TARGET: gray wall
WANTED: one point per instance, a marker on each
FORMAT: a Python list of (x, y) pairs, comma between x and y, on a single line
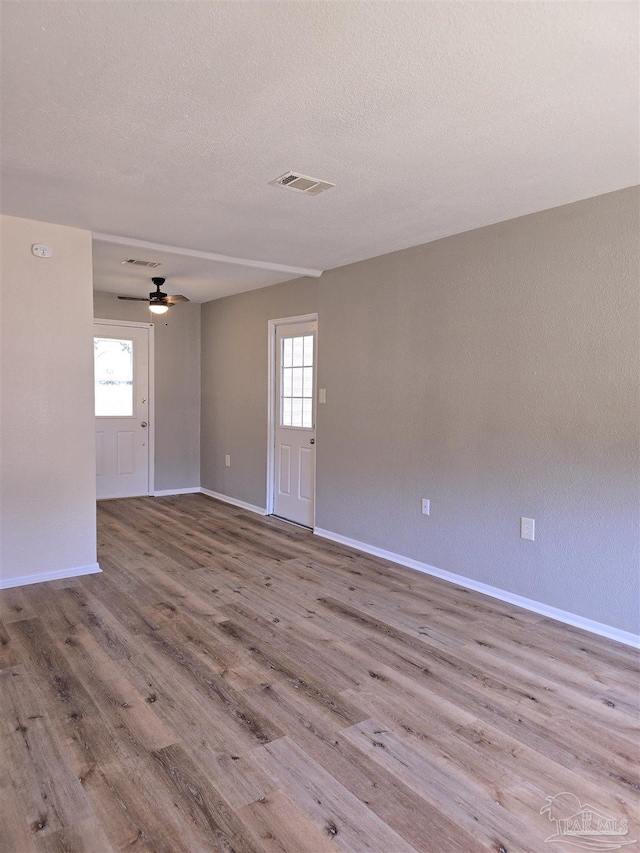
[(47, 452), (177, 381), (234, 385), (494, 372)]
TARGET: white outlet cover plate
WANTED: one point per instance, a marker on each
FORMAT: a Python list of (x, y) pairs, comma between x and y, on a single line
[(528, 528)]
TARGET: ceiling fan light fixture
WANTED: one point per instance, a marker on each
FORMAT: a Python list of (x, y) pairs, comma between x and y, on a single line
[(159, 302)]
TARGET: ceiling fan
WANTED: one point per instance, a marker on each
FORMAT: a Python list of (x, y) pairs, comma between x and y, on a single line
[(159, 302)]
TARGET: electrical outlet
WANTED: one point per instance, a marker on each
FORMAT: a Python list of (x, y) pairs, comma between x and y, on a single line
[(528, 528), (426, 506), (227, 461)]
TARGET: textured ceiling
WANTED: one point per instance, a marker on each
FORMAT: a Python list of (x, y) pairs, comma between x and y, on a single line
[(166, 121)]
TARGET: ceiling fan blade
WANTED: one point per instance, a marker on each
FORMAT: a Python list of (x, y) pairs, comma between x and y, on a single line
[(133, 298), (177, 299)]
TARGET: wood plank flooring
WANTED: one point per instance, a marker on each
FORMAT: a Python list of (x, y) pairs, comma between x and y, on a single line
[(233, 683)]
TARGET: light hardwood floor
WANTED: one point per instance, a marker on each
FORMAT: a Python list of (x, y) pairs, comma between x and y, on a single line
[(233, 683)]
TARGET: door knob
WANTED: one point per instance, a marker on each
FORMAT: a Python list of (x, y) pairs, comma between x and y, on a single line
[(143, 424), (312, 441)]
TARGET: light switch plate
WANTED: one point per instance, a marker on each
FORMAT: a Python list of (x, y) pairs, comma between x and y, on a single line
[(322, 395), (426, 506), (227, 461)]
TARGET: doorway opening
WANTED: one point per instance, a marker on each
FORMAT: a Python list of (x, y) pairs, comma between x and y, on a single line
[(291, 474)]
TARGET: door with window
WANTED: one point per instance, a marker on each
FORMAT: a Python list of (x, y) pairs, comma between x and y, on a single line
[(121, 382), (295, 433)]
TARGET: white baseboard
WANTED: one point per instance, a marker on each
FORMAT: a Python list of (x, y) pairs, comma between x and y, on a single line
[(493, 591), (234, 501), (163, 493), (58, 575)]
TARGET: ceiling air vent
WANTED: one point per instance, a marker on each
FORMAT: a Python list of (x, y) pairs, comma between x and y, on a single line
[(134, 263), (301, 183)]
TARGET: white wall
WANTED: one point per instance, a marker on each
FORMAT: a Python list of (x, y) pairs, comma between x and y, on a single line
[(47, 457)]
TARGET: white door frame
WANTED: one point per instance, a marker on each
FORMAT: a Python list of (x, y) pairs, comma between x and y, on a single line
[(271, 405), (152, 390)]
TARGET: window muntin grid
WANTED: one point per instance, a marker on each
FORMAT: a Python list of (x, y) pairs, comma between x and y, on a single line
[(296, 382)]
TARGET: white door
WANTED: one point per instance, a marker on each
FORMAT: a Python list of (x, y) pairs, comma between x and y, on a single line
[(121, 374), (295, 434)]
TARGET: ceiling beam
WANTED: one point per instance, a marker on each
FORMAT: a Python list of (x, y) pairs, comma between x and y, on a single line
[(207, 256)]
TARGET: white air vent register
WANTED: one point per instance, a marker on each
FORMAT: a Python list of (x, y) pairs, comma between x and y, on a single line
[(301, 183), (133, 262)]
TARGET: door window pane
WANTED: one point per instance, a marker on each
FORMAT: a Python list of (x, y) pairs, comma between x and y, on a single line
[(308, 349), (307, 387), (298, 351), (307, 414), (296, 382), (113, 375), (287, 349)]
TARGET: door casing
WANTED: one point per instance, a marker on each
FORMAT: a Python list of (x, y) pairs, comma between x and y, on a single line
[(271, 406)]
